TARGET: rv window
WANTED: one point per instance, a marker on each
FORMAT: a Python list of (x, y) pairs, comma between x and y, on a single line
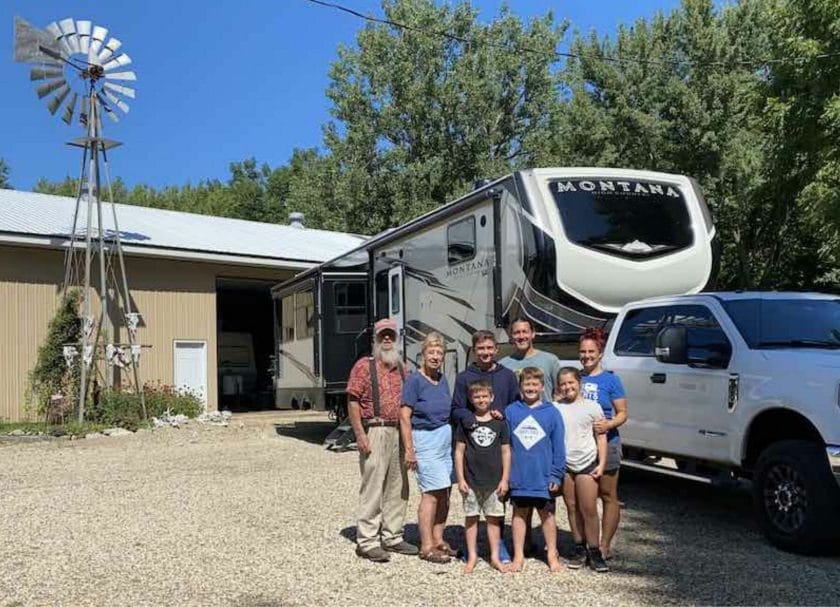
[(633, 219), (304, 313), (395, 294), (460, 240), (350, 307), (287, 319)]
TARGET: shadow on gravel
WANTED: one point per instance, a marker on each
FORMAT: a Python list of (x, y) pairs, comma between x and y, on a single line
[(701, 544), (454, 534), (312, 432)]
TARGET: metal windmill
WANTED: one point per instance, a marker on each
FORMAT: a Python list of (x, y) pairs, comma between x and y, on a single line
[(76, 61)]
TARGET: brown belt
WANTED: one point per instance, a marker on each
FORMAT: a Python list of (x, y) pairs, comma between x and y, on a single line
[(379, 423)]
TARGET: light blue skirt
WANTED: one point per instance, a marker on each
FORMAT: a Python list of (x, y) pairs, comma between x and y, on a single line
[(433, 449)]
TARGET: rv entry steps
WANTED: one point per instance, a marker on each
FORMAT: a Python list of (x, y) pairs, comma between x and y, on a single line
[(342, 438)]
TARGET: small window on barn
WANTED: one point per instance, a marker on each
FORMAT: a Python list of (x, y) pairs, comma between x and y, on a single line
[(304, 314), (460, 241)]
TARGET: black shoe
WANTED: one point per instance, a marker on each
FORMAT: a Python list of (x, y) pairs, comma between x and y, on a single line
[(578, 557), (403, 548), (595, 561), (375, 554)]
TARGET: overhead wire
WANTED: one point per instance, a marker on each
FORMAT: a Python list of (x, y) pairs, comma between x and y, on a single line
[(566, 54)]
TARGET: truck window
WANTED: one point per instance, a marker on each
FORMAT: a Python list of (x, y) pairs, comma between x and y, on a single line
[(707, 342), (460, 241), (350, 307), (637, 336)]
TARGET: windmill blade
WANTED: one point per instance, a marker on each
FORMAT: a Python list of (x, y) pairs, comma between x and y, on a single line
[(67, 116), (109, 49), (59, 42), (122, 90), (121, 76), (68, 28), (110, 112), (119, 61), (56, 101), (118, 102), (30, 42), (49, 87), (83, 30), (96, 39), (40, 73)]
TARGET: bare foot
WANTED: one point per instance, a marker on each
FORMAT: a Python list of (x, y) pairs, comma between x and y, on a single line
[(500, 566), (605, 552), (517, 565), (470, 566), (554, 563)]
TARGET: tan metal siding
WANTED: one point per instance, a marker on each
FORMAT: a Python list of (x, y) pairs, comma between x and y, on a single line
[(176, 299)]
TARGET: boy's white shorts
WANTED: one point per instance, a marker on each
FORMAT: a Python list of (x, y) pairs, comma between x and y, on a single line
[(483, 502)]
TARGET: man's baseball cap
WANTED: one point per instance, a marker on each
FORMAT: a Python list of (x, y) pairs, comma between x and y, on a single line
[(386, 324)]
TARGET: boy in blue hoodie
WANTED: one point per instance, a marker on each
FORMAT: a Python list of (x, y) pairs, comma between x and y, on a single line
[(538, 463), (503, 380)]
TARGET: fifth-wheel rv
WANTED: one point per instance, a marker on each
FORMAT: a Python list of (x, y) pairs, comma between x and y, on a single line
[(565, 247)]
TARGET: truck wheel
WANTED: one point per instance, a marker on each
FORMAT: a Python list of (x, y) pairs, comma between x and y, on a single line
[(796, 497)]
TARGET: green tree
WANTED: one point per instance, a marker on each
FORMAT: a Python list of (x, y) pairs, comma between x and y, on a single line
[(418, 117), (800, 109), (4, 175)]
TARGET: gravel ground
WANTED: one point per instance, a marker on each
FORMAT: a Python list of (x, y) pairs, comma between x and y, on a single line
[(242, 516)]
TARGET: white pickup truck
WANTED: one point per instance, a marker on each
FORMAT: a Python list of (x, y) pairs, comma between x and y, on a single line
[(739, 385)]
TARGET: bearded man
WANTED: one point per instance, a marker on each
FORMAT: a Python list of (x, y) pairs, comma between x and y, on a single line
[(374, 390)]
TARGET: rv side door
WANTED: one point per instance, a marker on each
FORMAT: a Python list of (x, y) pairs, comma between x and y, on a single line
[(395, 302)]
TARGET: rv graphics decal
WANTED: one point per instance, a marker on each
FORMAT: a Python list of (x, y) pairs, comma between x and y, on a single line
[(482, 266)]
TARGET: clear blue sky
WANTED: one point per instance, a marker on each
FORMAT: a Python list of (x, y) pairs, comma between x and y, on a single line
[(217, 81)]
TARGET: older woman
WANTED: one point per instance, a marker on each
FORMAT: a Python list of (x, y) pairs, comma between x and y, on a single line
[(427, 439)]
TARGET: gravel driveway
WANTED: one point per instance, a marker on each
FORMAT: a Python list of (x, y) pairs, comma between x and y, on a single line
[(242, 516)]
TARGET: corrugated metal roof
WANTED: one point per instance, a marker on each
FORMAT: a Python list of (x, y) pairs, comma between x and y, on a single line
[(44, 215)]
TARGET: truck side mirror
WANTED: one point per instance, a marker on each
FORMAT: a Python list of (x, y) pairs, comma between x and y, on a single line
[(672, 345)]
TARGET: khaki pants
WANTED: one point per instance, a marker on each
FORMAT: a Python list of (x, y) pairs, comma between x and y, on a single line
[(383, 495)]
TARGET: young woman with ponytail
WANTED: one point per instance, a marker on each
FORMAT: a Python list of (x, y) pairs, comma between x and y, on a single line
[(605, 388)]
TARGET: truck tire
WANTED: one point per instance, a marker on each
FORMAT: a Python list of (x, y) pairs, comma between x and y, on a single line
[(796, 497)]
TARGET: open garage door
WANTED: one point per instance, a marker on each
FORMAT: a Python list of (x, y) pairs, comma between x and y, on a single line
[(245, 344)]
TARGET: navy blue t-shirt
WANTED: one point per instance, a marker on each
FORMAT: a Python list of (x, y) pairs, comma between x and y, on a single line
[(430, 403)]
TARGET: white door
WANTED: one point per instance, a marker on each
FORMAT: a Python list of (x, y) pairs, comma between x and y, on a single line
[(190, 364), (396, 301)]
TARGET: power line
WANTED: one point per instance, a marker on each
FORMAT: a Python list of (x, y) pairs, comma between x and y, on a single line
[(568, 55)]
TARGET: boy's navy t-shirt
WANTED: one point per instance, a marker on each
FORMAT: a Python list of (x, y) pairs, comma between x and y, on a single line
[(430, 403), (483, 453)]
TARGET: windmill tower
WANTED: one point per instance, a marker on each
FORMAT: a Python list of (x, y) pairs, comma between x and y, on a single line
[(76, 61)]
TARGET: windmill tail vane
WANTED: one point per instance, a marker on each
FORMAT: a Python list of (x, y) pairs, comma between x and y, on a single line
[(77, 64)]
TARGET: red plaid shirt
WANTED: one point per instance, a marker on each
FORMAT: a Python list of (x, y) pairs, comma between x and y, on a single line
[(390, 388)]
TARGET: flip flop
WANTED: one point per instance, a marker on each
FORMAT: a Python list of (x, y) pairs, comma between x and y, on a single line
[(433, 556), (446, 549)]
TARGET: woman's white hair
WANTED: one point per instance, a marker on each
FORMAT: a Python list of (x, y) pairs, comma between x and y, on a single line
[(433, 339)]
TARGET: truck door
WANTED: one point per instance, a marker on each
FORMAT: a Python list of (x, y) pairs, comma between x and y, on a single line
[(396, 303), (692, 400)]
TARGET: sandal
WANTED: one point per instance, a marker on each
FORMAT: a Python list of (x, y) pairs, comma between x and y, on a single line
[(446, 549), (433, 556)]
